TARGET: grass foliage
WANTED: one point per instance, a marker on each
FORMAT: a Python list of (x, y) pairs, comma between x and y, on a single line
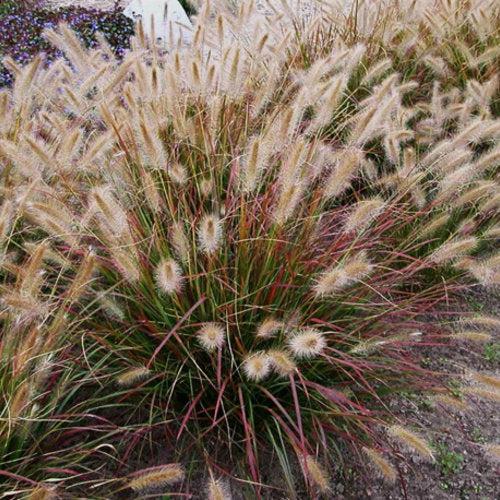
[(229, 254)]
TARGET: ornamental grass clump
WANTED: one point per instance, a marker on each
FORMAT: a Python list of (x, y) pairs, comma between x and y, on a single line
[(262, 228)]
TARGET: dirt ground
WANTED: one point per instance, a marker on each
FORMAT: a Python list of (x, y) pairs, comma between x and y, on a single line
[(463, 470)]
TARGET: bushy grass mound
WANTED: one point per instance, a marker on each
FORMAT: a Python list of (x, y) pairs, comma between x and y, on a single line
[(232, 254)]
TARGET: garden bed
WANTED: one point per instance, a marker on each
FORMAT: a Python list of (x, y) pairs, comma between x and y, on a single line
[(264, 262)]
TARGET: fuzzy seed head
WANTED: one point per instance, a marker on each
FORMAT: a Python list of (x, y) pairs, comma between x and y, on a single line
[(433, 225), (485, 271), (453, 250), (218, 490), (179, 241), (307, 343), (210, 234), (363, 214), (42, 492), (486, 379), (269, 328), (489, 322), (281, 362), (211, 336), (254, 164), (168, 276), (206, 187), (412, 441), (112, 213), (177, 173), (381, 464), (257, 366), (450, 401), (157, 478), (471, 335), (5, 218), (131, 377), (479, 392), (493, 450), (151, 192), (344, 171), (317, 474), (343, 275), (290, 197)]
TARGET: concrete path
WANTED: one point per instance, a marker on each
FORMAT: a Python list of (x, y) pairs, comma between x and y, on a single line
[(167, 15)]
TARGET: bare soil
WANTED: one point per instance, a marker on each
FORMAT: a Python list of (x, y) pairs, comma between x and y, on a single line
[(463, 470)]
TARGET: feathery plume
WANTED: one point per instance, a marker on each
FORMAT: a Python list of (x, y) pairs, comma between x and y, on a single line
[(169, 276), (492, 395), (179, 241), (485, 271), (453, 250), (456, 180), (158, 477), (433, 225), (111, 307), (488, 160), (290, 196), (218, 490), (254, 163), (257, 366), (307, 343), (269, 327), (493, 450), (483, 320), (481, 190), (371, 345), (83, 277), (494, 231), (291, 168), (316, 473), (281, 362), (177, 173), (328, 103), (471, 335), (343, 172), (151, 192), (112, 213), (450, 401), (206, 187), (363, 213), (150, 141), (127, 262), (210, 233), (382, 465), (6, 213), (354, 269), (485, 379), (412, 441), (42, 492), (211, 336), (132, 376), (492, 203), (376, 71)]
